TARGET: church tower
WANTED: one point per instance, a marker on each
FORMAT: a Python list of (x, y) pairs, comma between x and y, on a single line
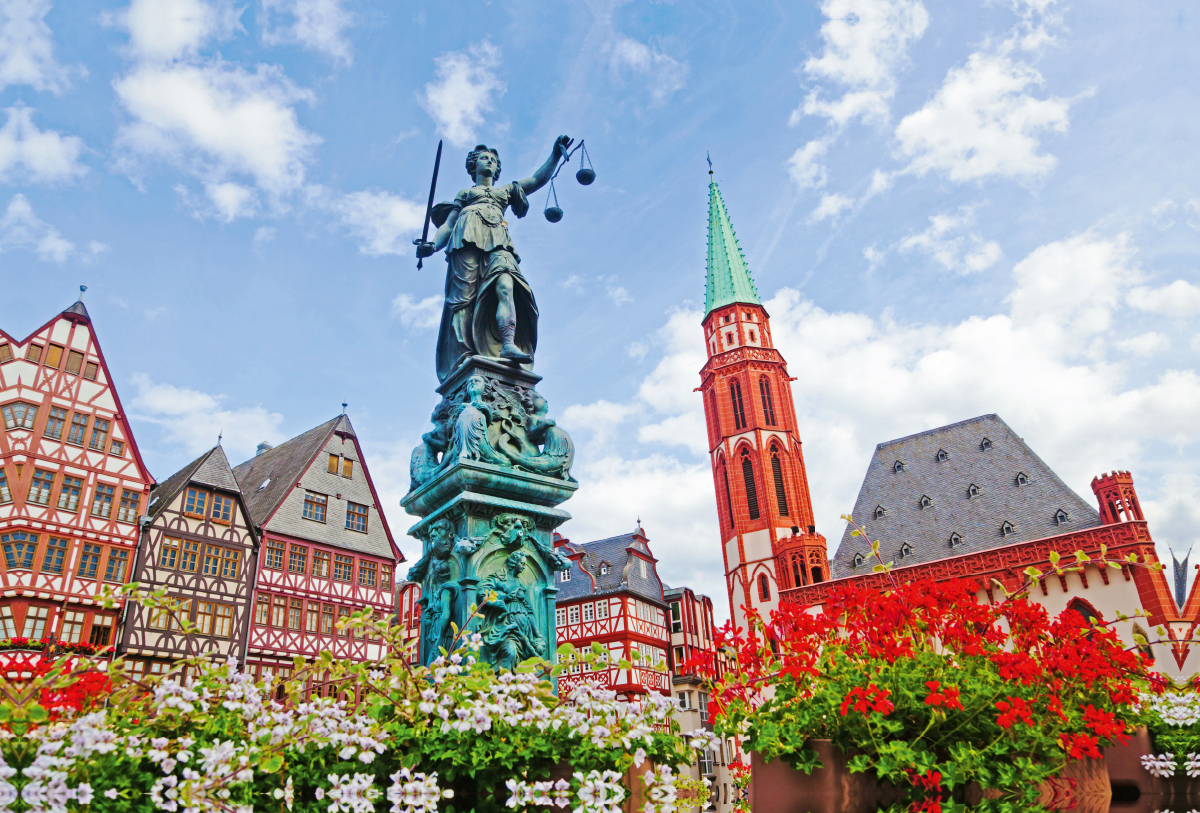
[(769, 537)]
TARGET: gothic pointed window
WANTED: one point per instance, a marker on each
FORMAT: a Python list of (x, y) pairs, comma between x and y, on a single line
[(1007, 529), (780, 492), (797, 573), (748, 479), (1061, 517), (880, 511), (898, 466), (858, 560), (972, 491), (716, 415), (764, 587), (942, 456), (955, 540), (768, 403), (728, 498), (739, 410), (925, 502)]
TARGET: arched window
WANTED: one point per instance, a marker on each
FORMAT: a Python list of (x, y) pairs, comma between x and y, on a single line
[(764, 587), (748, 478), (797, 572), (780, 492), (1086, 610), (716, 415), (728, 498), (764, 390), (817, 576), (739, 409)]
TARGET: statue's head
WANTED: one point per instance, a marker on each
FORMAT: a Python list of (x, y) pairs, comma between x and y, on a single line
[(476, 385), (440, 537), (534, 403), (441, 571), (515, 562), (488, 156)]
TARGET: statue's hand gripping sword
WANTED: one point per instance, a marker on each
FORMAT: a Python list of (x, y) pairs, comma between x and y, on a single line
[(424, 247)]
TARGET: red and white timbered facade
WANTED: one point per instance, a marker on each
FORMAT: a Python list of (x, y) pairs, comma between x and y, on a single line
[(72, 484), (326, 550), (200, 545), (612, 596)]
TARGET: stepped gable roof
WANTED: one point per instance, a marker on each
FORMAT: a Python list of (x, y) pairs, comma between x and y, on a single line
[(729, 277), (624, 573), (209, 469), (268, 478), (942, 465)]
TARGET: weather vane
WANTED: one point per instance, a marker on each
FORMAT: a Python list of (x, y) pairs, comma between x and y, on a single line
[(708, 156)]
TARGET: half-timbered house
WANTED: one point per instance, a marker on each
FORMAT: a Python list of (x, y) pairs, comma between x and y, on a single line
[(326, 550), (72, 484), (197, 542), (612, 595), (408, 617)]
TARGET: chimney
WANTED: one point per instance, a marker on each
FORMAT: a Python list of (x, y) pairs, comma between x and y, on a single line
[(263, 447)]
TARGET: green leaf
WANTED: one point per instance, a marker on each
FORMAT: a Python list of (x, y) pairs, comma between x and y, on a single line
[(272, 764)]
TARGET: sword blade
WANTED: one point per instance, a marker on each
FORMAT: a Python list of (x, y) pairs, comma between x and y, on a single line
[(437, 163)]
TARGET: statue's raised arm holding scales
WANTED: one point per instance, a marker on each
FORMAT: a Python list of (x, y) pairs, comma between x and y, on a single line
[(490, 309)]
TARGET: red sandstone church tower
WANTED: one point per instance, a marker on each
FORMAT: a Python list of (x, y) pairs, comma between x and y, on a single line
[(769, 538)]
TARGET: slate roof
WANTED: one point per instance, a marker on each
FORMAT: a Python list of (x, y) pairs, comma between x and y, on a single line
[(79, 309), (624, 574), (281, 468), (1030, 508), (209, 469), (728, 278)]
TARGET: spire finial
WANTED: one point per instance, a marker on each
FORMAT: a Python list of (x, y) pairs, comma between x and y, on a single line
[(82, 288), (344, 405), (220, 435), (708, 156)]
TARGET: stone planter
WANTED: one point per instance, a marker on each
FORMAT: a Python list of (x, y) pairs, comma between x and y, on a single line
[(1133, 784)]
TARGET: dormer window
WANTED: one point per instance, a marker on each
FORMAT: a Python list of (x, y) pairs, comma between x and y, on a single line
[(879, 512), (942, 456), (985, 444), (898, 466), (565, 576), (1061, 517), (604, 568), (1007, 529), (955, 540), (1021, 479), (906, 551), (972, 491), (858, 560), (925, 502)]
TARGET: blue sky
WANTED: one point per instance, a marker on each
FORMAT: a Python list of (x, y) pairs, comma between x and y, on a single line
[(949, 208)]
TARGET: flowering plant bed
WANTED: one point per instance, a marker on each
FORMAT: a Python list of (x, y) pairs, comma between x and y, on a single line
[(930, 689), (65, 647), (1173, 718), (455, 736)]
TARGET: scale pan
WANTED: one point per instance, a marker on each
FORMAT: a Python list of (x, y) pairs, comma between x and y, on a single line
[(553, 214), (585, 175)]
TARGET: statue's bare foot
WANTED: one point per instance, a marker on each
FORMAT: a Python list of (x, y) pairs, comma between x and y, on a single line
[(510, 352)]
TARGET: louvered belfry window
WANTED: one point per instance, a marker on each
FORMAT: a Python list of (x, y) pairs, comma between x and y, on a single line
[(739, 411), (780, 491), (728, 497), (764, 390), (751, 491)]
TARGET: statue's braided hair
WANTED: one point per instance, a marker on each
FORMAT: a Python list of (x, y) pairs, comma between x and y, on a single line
[(473, 156)]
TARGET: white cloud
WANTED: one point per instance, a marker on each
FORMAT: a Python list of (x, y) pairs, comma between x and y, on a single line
[(318, 25), (615, 292), (163, 30), (1147, 344), (862, 380), (949, 242), (804, 167), (414, 314), (219, 123), (231, 200), (664, 74), (866, 41), (27, 47), (831, 206), (1161, 213), (20, 228), (382, 222), (194, 419), (1193, 206), (982, 122), (1179, 299), (263, 235), (463, 89), (47, 156)]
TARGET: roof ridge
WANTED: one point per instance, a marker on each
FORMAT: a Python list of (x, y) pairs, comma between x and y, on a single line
[(915, 435), (168, 488)]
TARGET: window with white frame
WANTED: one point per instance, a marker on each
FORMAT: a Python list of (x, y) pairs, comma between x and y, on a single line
[(560, 616), (602, 610), (589, 612), (573, 614)]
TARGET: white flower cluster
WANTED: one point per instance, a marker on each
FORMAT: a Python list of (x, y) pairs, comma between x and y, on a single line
[(415, 792), (59, 744), (599, 792), (703, 740), (596, 714), (330, 724), (660, 787), (524, 794), (350, 794), (1162, 766), (1174, 709)]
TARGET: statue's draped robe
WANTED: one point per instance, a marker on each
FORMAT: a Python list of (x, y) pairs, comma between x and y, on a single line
[(479, 251)]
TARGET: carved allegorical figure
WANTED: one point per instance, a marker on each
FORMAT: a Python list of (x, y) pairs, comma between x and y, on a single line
[(510, 627), (490, 309), (470, 440), (558, 451), (438, 592)]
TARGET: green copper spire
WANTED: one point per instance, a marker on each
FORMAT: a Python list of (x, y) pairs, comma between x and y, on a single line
[(728, 277)]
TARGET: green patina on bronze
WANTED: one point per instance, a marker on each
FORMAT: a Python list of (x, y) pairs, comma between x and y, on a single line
[(728, 275), (487, 478)]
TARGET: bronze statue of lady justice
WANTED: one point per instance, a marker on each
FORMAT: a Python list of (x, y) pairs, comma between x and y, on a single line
[(489, 309)]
